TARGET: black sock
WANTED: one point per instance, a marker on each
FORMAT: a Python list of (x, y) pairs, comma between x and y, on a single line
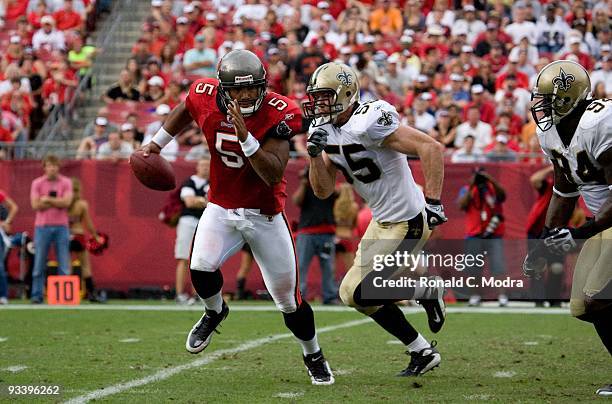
[(207, 284), (240, 283), (89, 285), (391, 318), (603, 326), (301, 322)]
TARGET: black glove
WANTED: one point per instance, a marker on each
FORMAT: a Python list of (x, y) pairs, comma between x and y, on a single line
[(535, 260), (316, 142), (435, 212), (560, 241)]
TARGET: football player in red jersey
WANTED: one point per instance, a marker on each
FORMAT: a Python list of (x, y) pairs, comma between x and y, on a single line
[(247, 130)]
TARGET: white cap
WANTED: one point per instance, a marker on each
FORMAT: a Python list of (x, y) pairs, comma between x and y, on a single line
[(47, 19), (469, 7), (101, 121), (394, 58), (477, 89), (405, 39), (162, 109), (265, 36), (605, 48), (211, 16), (157, 3), (369, 39), (456, 77), (224, 10), (15, 39), (182, 20), (574, 39), (156, 81), (513, 57), (502, 139), (421, 78), (382, 80), (126, 126), (327, 17), (460, 30), (425, 96), (227, 44), (467, 49), (346, 50), (322, 4), (273, 51), (189, 8), (435, 30)]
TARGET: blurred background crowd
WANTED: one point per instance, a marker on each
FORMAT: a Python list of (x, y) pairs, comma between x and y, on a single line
[(459, 70)]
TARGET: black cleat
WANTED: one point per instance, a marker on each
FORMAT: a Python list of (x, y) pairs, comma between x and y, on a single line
[(200, 335), (605, 391), (318, 369), (433, 303), (422, 362)]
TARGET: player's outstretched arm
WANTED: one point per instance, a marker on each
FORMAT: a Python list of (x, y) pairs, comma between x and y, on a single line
[(411, 141), (563, 201), (177, 120)]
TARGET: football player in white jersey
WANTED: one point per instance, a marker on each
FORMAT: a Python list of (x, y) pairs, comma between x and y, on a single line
[(369, 145), (575, 132)]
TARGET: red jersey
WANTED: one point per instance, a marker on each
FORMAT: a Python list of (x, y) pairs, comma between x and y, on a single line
[(537, 215), (233, 181)]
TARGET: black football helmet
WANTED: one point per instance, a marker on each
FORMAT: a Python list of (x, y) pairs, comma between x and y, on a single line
[(241, 68)]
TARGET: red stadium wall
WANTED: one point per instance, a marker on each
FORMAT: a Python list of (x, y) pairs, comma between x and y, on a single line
[(141, 247)]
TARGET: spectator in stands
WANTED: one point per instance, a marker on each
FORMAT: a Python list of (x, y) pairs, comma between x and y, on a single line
[(519, 96), (467, 153), (499, 150), (315, 237), (88, 147), (574, 49), (469, 24), (457, 86), (66, 18), (193, 194), (50, 195), (444, 131), (123, 90), (114, 149), (482, 200), (8, 210), (200, 61), (14, 81), (47, 37), (35, 16), (604, 76), (474, 126), (386, 19), (423, 120), (551, 30), (170, 151), (521, 26), (57, 88), (128, 135), (480, 101), (80, 220), (155, 90), (599, 91), (81, 57)]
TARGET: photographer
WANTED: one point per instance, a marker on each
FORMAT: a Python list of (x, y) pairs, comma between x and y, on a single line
[(482, 202), (50, 196)]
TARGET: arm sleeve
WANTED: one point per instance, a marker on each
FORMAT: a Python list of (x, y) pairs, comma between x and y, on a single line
[(381, 121)]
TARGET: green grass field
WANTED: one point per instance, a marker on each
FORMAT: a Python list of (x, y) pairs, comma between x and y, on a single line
[(485, 357)]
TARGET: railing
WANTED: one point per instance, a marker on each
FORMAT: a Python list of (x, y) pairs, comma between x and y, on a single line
[(62, 119)]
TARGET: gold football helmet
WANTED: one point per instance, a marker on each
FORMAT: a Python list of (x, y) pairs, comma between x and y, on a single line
[(559, 88), (333, 88)]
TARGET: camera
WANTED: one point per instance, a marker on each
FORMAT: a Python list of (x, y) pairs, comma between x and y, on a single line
[(53, 194)]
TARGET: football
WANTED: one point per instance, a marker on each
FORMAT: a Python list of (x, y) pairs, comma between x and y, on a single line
[(154, 171)]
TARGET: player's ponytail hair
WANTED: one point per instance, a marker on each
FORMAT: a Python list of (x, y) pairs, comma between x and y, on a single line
[(345, 207)]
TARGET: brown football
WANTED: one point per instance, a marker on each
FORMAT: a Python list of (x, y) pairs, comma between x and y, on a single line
[(154, 171)]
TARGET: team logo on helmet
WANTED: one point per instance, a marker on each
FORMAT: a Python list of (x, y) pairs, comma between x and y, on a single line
[(563, 80), (345, 78)]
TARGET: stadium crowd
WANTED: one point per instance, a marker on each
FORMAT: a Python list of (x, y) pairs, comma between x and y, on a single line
[(44, 54), (459, 70)]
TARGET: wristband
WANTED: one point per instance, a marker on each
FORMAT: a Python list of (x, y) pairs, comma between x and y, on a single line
[(250, 145), (432, 201), (162, 137)]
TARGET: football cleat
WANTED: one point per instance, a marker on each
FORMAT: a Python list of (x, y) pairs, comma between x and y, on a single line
[(201, 334), (433, 303), (422, 362), (318, 369), (605, 391), (474, 301)]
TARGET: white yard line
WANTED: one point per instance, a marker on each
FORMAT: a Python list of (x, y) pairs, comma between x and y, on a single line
[(519, 309), (15, 369), (205, 360)]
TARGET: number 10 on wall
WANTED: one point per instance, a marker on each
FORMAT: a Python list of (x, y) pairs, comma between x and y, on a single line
[(64, 290)]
